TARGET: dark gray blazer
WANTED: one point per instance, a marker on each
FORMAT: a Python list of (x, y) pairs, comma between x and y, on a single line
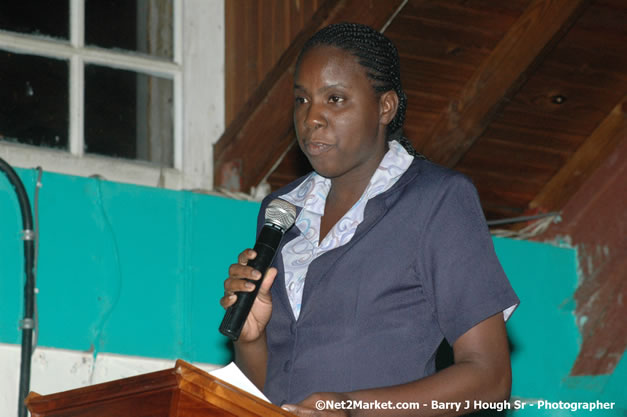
[(421, 267)]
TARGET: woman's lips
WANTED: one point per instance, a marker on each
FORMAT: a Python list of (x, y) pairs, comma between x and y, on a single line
[(317, 148)]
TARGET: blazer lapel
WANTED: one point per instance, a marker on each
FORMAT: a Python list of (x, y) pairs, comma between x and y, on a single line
[(319, 268), (375, 210), (279, 283)]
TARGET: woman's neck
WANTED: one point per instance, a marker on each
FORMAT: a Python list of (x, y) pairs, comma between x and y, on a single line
[(348, 188), (344, 193)]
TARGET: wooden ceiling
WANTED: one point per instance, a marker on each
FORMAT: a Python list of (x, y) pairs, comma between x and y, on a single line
[(526, 97)]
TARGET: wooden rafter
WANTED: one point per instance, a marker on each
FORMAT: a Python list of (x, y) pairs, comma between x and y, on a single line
[(598, 146), (539, 28), (262, 130)]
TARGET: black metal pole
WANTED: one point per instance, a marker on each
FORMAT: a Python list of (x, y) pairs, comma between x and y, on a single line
[(27, 323)]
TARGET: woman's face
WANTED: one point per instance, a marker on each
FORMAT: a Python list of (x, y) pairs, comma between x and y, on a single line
[(340, 122)]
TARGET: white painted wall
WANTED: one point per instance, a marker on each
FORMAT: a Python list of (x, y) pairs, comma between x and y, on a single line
[(203, 89), (56, 370)]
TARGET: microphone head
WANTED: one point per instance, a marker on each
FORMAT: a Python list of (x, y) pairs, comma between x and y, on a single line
[(281, 214)]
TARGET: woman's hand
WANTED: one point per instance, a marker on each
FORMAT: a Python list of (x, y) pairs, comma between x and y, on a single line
[(316, 405), (261, 310)]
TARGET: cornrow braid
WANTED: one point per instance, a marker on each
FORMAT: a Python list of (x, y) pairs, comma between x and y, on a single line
[(378, 55)]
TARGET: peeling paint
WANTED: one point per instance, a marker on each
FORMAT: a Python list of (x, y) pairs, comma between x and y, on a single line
[(562, 241)]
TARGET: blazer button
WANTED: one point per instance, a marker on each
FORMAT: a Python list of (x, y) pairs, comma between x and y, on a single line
[(287, 366), (293, 328)]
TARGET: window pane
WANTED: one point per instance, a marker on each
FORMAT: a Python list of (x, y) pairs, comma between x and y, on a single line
[(34, 100), (128, 115), (135, 25), (36, 17)]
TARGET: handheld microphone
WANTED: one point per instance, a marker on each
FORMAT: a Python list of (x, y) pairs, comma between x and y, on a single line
[(279, 217)]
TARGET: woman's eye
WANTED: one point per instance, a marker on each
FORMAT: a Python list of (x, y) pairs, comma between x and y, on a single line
[(336, 99), (300, 100)]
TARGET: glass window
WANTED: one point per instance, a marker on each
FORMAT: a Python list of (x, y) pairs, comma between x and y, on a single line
[(36, 17), (128, 115), (143, 26), (114, 88), (34, 100)]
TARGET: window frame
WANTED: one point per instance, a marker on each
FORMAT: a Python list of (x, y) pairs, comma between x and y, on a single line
[(197, 72)]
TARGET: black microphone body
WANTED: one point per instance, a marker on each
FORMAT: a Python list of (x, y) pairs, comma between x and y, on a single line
[(266, 247)]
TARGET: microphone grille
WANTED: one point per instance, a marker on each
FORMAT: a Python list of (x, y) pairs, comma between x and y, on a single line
[(281, 214)]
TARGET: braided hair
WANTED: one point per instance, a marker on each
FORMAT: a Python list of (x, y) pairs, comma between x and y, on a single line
[(379, 57)]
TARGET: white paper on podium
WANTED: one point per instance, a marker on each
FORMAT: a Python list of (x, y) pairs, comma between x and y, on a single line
[(234, 376)]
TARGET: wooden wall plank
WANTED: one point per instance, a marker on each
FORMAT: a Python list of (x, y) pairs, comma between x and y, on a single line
[(231, 56), (257, 32), (599, 145), (511, 160), (539, 28), (534, 137)]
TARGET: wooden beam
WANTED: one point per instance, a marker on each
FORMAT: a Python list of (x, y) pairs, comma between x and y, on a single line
[(535, 33), (262, 130), (597, 147)]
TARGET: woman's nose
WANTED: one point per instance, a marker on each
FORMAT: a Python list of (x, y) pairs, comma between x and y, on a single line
[(315, 117)]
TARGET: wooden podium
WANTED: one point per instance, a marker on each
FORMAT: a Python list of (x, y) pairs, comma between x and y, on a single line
[(183, 391)]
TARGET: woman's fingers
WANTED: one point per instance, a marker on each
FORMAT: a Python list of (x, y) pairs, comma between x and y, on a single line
[(240, 277), (233, 285), (228, 300), (243, 271), (268, 280), (246, 256)]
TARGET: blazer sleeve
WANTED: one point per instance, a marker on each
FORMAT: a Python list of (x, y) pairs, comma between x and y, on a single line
[(462, 272)]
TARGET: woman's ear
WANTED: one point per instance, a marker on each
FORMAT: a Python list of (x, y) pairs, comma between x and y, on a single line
[(388, 106)]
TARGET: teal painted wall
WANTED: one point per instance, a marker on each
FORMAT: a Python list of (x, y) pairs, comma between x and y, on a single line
[(544, 336), (138, 271), (123, 269)]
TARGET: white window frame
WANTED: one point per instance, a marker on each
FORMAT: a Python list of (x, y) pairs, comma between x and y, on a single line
[(197, 71)]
